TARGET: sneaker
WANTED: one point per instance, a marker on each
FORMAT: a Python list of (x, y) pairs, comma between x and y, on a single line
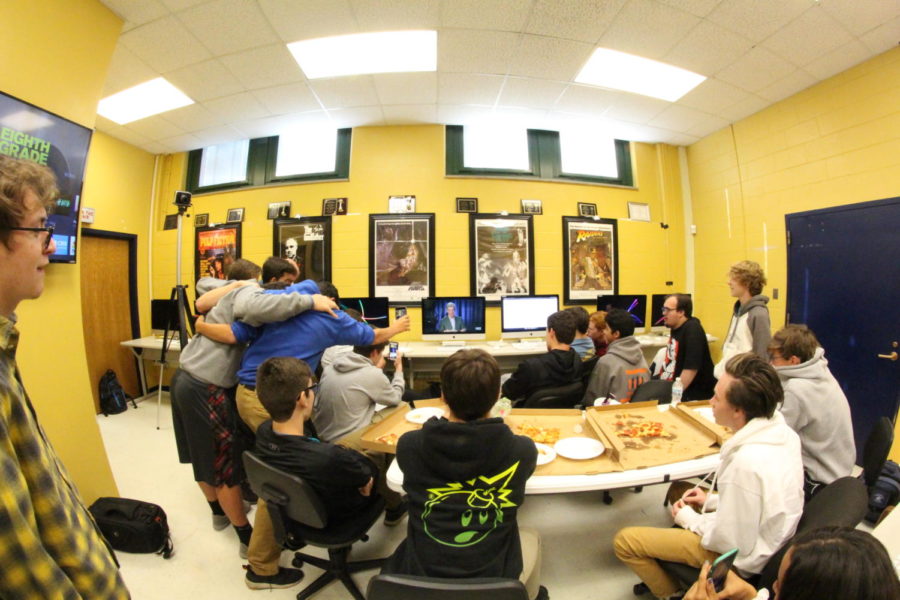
[(393, 516), (284, 578), (220, 522), (542, 594), (242, 551)]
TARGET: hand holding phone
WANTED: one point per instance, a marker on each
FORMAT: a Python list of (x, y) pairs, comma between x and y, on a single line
[(392, 350), (720, 567), (399, 312)]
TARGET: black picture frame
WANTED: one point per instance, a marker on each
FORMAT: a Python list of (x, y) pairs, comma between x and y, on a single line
[(279, 210), (306, 240), (532, 206), (467, 205), (392, 238), (201, 220), (499, 273), (587, 209), (234, 215), (214, 243), (587, 273), (171, 222)]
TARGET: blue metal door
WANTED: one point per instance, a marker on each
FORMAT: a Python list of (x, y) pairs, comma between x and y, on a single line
[(843, 268)]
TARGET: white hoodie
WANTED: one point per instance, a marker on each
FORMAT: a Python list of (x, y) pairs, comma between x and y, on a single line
[(817, 409), (760, 497)]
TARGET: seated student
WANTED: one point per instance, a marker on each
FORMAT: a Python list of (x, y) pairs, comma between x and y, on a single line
[(595, 331), (618, 372), (559, 366), (687, 353), (830, 563), (582, 344), (465, 477), (343, 478), (814, 406), (760, 483)]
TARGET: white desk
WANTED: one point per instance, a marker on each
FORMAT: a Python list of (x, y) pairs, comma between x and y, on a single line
[(427, 357), (888, 533), (150, 348)]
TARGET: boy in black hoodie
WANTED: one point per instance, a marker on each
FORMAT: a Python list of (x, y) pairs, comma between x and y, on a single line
[(561, 365), (465, 476)]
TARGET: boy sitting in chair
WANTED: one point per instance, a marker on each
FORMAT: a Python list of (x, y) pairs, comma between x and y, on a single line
[(465, 476)]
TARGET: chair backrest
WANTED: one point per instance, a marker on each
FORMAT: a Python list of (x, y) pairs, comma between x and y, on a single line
[(843, 502), (409, 587), (297, 499), (878, 446), (655, 389), (565, 396), (587, 369)]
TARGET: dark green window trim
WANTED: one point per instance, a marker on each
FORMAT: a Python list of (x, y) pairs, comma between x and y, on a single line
[(342, 162), (544, 156)]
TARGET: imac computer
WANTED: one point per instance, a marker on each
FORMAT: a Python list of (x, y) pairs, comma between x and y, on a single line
[(453, 319), (636, 305), (657, 320), (374, 311), (526, 316)]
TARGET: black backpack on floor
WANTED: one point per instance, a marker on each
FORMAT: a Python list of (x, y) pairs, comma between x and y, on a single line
[(113, 398), (133, 526)]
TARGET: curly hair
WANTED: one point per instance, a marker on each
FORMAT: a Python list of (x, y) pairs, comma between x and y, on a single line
[(17, 177), (750, 275)]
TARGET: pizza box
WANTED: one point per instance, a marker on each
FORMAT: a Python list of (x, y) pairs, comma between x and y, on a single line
[(395, 423), (687, 438), (701, 412)]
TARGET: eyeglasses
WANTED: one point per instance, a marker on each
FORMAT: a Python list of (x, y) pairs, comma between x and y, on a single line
[(666, 309), (314, 388), (49, 229)]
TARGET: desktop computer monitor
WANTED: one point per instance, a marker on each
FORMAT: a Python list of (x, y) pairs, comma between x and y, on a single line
[(465, 323), (657, 320), (526, 316), (374, 311), (635, 304), (163, 315)]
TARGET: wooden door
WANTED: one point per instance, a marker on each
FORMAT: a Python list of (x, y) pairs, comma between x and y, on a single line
[(106, 311)]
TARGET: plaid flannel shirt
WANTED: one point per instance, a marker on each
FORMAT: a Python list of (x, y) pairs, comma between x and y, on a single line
[(50, 546)]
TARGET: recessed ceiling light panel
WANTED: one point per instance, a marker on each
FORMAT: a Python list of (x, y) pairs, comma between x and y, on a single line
[(143, 100), (620, 71), (366, 53)]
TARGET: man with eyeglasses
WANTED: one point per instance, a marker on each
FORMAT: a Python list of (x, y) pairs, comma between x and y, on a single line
[(687, 353), (49, 543)]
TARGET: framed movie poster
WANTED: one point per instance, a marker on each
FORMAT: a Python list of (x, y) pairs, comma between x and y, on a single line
[(215, 248), (501, 255), (401, 257), (306, 241), (590, 259)]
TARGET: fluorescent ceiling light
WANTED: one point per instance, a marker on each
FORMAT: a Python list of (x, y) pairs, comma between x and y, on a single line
[(365, 53), (629, 73), (143, 100)]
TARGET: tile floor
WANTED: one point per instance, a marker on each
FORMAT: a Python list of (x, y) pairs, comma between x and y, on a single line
[(576, 529)]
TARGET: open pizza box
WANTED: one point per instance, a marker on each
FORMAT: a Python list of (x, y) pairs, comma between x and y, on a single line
[(670, 435), (701, 411), (383, 435)]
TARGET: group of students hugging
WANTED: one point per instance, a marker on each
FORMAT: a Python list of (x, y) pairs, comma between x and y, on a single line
[(249, 381)]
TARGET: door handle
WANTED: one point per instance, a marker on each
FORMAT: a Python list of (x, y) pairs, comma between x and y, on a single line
[(891, 356)]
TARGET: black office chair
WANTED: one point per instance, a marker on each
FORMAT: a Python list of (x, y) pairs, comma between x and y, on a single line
[(875, 453), (566, 396), (299, 518), (843, 502), (409, 587), (654, 389), (587, 369)]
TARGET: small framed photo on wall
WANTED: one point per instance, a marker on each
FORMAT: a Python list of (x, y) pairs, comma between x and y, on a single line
[(638, 211), (467, 205), (401, 204), (532, 207), (171, 222), (235, 215), (334, 206), (201, 220), (587, 209), (279, 210)]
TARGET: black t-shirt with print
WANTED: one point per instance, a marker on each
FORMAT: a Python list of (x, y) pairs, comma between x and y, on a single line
[(690, 350)]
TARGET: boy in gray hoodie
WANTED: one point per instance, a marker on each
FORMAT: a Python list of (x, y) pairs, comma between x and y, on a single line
[(749, 329), (623, 368), (814, 406)]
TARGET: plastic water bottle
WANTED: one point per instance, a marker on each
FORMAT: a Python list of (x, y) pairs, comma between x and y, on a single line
[(502, 408), (677, 391)]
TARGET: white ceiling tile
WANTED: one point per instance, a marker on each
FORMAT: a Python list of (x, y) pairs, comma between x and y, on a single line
[(839, 59), (394, 15), (452, 114), (406, 88), (582, 20), (360, 116), (707, 48), (129, 137), (498, 15), (586, 99), (285, 99), (156, 148), (345, 92), (645, 133), (678, 118), (634, 108), (182, 143), (264, 67), (137, 13), (205, 80), (164, 45), (463, 88), (470, 51), (708, 125), (757, 69), (807, 37), (701, 8), (549, 58), (410, 114), (126, 70), (105, 125), (757, 19), (226, 26), (713, 95), (177, 5), (748, 106), (787, 86), (530, 93), (243, 104), (861, 16), (154, 128), (647, 28), (883, 38), (294, 21), (214, 136), (194, 117), (267, 126)]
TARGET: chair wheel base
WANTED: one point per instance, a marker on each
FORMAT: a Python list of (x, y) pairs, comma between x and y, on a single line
[(640, 589), (607, 498), (297, 563)]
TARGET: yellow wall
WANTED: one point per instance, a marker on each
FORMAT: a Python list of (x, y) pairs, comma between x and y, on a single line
[(410, 160), (56, 54), (835, 143)]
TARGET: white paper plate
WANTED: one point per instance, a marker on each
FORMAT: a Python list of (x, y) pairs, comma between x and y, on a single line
[(545, 455), (579, 448), (420, 415)]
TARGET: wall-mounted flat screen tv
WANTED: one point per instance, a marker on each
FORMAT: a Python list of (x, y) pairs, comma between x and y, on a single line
[(29, 132)]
